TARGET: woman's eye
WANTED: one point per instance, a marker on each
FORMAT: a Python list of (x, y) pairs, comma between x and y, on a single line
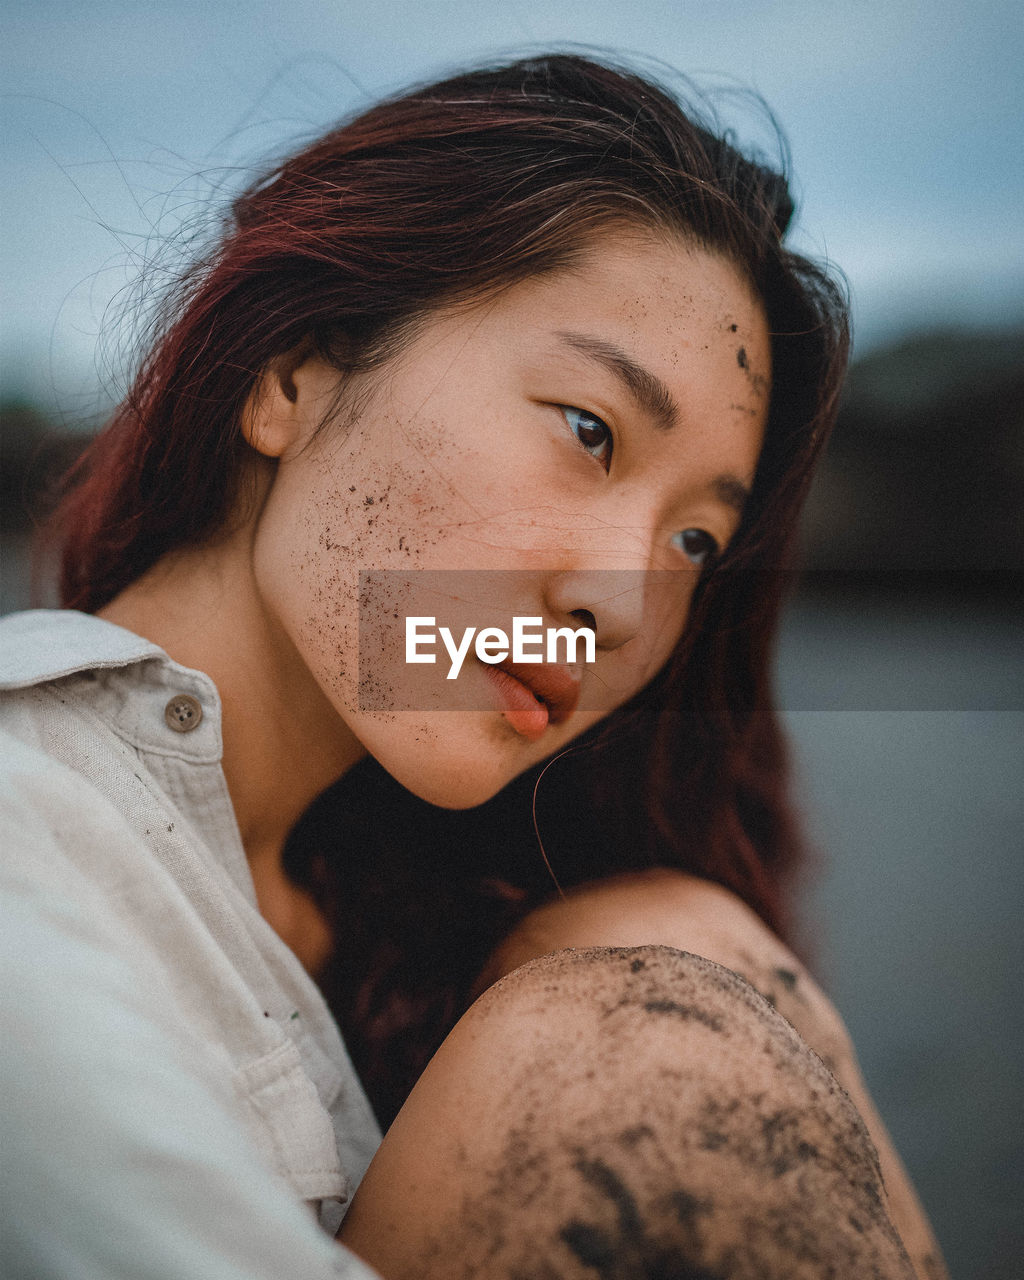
[(591, 433), (696, 544)]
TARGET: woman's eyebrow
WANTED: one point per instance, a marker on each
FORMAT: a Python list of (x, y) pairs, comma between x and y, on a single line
[(649, 392), (653, 397), (733, 492)]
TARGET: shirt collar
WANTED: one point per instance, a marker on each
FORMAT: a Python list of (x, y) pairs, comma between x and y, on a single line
[(132, 683), (47, 644)]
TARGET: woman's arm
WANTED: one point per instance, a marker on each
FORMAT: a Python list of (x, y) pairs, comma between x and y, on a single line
[(668, 908)]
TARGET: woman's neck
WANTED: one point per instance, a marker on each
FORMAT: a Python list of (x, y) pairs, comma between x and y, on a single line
[(283, 740)]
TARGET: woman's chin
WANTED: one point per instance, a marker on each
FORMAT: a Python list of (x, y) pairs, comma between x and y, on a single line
[(450, 788), (452, 759)]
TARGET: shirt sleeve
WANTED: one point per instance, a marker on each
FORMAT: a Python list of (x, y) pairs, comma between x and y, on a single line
[(122, 1159)]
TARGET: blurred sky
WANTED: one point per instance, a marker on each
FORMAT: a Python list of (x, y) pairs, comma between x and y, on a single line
[(903, 116)]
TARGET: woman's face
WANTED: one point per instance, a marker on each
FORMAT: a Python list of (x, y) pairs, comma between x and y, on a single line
[(572, 450)]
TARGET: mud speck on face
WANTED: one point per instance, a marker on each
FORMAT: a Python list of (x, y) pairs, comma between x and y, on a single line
[(741, 358)]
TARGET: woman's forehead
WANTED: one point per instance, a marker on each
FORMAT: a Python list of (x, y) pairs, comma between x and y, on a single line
[(650, 289), (673, 321)]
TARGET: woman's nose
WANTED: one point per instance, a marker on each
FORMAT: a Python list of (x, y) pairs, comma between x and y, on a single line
[(610, 601)]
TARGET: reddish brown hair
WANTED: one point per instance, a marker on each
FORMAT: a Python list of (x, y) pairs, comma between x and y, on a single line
[(443, 194)]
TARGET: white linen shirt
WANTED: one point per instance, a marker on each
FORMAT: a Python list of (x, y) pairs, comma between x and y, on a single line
[(172, 1083)]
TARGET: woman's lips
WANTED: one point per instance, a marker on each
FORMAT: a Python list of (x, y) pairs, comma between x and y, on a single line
[(534, 695)]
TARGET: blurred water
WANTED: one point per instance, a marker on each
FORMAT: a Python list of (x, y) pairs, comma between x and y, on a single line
[(915, 912)]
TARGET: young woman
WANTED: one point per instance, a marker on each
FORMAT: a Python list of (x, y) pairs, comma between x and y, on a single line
[(523, 344)]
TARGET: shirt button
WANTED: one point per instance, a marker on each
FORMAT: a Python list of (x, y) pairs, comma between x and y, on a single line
[(183, 713)]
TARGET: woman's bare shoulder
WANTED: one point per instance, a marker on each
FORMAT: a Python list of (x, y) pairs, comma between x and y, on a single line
[(669, 908)]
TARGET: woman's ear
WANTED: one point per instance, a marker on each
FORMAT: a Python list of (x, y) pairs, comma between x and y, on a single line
[(279, 413)]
